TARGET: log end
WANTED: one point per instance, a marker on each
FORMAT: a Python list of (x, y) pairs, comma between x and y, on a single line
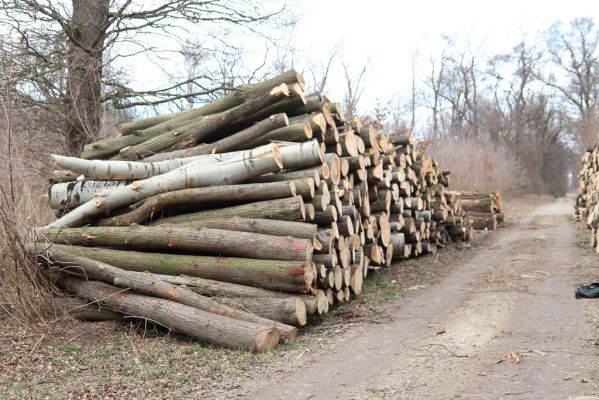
[(266, 340), (301, 312)]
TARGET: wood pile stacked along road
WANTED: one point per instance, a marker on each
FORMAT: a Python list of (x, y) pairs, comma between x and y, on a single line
[(235, 222), (481, 211), (587, 201)]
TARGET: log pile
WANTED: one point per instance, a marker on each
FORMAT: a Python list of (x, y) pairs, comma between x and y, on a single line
[(587, 201), (481, 211), (236, 221)]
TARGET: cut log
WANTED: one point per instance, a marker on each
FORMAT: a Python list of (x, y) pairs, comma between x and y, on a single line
[(119, 170), (290, 310), (205, 127), (327, 216), (304, 187), (357, 278), (183, 239), (264, 226), (237, 141), (288, 209), (270, 274), (292, 133), (258, 162), (209, 327), (152, 285), (84, 310), (152, 207), (302, 155), (68, 195)]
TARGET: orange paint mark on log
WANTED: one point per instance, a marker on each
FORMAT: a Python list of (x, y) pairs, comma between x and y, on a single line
[(297, 271), (172, 293)]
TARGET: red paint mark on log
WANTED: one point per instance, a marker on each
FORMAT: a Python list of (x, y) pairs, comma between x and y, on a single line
[(278, 242), (297, 246)]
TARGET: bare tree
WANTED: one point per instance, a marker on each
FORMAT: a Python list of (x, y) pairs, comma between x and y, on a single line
[(66, 48), (434, 82), (574, 51), (354, 87)]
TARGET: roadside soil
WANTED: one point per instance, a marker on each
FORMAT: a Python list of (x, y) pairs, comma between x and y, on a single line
[(494, 318), (504, 324)]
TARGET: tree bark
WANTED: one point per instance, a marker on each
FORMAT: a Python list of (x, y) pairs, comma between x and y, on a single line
[(190, 321), (288, 209), (84, 61), (186, 239), (68, 195), (257, 162), (302, 155), (84, 310), (236, 141), (130, 170), (205, 127), (152, 207), (313, 173), (290, 310), (111, 146), (151, 284), (286, 276), (291, 133)]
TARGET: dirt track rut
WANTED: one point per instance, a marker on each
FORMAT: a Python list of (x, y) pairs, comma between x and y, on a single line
[(504, 324)]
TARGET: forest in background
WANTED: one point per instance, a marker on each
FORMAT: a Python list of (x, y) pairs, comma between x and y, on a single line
[(523, 117)]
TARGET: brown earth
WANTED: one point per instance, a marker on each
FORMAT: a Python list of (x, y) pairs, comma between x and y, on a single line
[(495, 318), (504, 324)]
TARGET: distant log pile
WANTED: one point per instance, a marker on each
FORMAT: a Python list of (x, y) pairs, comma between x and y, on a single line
[(587, 201), (234, 222), (482, 211)]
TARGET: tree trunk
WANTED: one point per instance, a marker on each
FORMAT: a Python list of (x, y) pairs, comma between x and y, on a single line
[(190, 321), (302, 155), (285, 276), (186, 239), (152, 207), (483, 223), (151, 284), (314, 173), (192, 175), (290, 310), (68, 195), (111, 146), (88, 26), (288, 209), (209, 287), (84, 310), (234, 142), (205, 127), (291, 133), (119, 170)]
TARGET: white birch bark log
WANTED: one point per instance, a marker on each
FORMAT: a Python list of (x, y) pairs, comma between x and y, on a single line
[(120, 170), (69, 195), (196, 174), (300, 155)]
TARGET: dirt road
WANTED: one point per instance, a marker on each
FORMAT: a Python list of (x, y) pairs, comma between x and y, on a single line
[(505, 324)]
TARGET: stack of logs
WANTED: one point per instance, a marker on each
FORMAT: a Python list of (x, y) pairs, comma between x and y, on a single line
[(234, 222), (482, 211), (587, 202)]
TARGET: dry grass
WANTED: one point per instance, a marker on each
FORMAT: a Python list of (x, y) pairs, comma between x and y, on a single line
[(476, 165), (24, 295)]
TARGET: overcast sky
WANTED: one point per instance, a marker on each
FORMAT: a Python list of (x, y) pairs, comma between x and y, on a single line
[(388, 32)]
